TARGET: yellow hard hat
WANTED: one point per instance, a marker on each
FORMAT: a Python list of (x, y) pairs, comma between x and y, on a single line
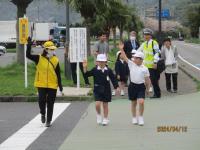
[(49, 45)]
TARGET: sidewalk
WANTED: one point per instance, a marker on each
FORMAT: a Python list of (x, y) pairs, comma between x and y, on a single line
[(74, 91), (122, 135), (70, 94)]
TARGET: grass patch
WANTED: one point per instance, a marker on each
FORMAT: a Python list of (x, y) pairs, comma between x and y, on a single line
[(193, 40), (11, 50), (12, 80), (198, 84), (12, 77)]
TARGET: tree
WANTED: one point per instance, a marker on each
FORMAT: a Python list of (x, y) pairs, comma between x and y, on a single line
[(193, 16), (88, 10), (21, 11), (116, 14)]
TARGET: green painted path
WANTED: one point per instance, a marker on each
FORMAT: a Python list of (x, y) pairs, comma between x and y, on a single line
[(178, 111)]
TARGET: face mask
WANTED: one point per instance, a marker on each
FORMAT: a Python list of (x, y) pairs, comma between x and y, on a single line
[(132, 38), (50, 53)]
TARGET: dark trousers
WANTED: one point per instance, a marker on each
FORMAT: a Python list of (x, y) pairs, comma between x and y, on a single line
[(47, 97), (74, 75), (155, 77), (168, 80)]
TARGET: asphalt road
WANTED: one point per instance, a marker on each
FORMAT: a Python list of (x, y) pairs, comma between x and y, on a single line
[(14, 116), (190, 52), (7, 59), (10, 58)]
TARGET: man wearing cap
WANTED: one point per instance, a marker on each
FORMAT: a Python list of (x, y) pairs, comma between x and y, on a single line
[(47, 78), (131, 44), (139, 83), (151, 51)]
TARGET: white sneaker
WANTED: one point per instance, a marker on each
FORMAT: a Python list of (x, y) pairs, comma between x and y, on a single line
[(122, 92), (113, 93), (150, 89), (99, 119), (140, 120), (105, 122), (134, 120)]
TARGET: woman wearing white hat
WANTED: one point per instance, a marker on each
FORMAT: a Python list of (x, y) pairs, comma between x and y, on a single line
[(139, 83), (102, 91)]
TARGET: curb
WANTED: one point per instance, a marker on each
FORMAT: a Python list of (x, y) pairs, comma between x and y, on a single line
[(35, 98), (189, 70)]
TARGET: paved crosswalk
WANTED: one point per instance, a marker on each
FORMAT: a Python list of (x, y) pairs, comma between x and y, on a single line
[(32, 134), (31, 131)]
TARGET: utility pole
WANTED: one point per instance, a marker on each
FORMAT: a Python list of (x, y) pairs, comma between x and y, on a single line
[(67, 67), (160, 19), (38, 9)]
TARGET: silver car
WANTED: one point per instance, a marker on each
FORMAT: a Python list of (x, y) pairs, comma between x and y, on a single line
[(2, 50)]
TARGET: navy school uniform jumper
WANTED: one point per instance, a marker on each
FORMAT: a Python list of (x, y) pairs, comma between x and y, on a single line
[(102, 89), (121, 69)]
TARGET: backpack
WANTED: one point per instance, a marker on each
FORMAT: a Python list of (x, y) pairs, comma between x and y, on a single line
[(161, 63)]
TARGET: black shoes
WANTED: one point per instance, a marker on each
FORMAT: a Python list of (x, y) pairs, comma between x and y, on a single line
[(43, 119), (169, 90), (172, 91), (155, 96), (48, 124)]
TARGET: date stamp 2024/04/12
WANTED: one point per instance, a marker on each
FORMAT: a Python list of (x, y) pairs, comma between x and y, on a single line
[(172, 129)]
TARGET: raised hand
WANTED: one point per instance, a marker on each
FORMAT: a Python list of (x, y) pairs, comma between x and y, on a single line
[(29, 40)]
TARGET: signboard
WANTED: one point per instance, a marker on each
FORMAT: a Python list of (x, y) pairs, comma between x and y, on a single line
[(23, 30), (78, 44), (165, 13)]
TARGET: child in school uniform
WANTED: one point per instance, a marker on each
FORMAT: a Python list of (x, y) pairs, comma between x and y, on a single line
[(102, 90), (139, 83), (122, 72)]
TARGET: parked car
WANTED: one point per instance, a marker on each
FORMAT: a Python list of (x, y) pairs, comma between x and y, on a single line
[(2, 50), (59, 36), (181, 38)]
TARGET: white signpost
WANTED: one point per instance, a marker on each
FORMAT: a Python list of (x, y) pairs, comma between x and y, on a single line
[(78, 48), (23, 36)]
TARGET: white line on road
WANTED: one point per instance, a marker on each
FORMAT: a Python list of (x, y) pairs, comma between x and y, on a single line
[(31, 131), (188, 63)]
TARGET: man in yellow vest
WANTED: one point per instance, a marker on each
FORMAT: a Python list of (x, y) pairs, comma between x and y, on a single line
[(47, 78), (151, 51)]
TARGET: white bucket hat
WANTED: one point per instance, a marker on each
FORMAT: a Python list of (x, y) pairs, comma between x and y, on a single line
[(139, 55), (101, 57), (133, 51)]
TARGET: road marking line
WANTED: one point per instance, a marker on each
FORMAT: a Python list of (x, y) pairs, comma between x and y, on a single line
[(21, 139), (189, 63)]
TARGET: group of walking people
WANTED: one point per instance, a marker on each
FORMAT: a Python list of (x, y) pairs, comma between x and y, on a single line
[(135, 63), (138, 64)]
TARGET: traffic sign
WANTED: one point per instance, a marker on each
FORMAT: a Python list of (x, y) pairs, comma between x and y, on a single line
[(23, 30), (165, 13)]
